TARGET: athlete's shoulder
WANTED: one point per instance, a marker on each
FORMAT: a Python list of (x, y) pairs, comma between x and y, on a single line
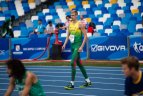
[(30, 74), (81, 25)]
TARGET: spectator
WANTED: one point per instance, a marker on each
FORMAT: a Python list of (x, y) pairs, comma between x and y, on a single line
[(68, 17), (82, 20), (91, 28), (65, 26), (39, 29), (50, 28), (7, 27), (61, 27)]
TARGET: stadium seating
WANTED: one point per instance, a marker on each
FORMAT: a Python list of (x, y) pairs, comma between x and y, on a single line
[(111, 17)]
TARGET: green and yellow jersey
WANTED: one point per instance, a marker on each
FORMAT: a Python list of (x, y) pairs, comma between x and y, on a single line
[(75, 32), (36, 88)]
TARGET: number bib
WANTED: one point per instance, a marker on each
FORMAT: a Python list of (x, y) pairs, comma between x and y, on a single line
[(71, 37)]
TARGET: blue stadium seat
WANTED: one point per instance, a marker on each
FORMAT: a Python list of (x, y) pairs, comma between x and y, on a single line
[(125, 32), (132, 26), (16, 28), (140, 30), (24, 32), (35, 23), (4, 4), (114, 27), (30, 29), (26, 7), (51, 7), (65, 7), (11, 6), (111, 10), (63, 3), (138, 16), (95, 20), (127, 1), (104, 10), (101, 31), (1, 23), (22, 24), (115, 6), (109, 22), (126, 19), (14, 12), (33, 36), (141, 8)]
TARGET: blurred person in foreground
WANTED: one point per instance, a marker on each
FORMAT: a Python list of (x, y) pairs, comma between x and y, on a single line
[(26, 82), (134, 76)]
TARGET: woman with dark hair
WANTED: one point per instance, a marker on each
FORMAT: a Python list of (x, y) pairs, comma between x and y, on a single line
[(25, 81)]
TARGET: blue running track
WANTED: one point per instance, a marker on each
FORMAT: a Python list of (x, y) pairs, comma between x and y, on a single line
[(107, 81)]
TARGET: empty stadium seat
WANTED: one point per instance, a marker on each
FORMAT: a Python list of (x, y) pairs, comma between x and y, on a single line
[(124, 15)]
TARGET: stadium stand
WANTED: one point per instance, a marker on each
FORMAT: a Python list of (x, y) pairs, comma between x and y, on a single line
[(111, 17)]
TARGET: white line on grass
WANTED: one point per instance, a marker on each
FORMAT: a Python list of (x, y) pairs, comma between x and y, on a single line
[(78, 77), (68, 81)]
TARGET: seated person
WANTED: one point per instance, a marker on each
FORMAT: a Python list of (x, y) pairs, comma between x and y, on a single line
[(83, 21), (50, 28), (134, 76), (91, 28), (61, 28), (39, 29)]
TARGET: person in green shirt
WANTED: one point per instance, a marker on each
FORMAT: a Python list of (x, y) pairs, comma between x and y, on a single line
[(26, 82), (76, 30)]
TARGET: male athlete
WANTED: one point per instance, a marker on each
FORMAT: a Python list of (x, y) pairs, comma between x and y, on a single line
[(76, 29), (134, 76)]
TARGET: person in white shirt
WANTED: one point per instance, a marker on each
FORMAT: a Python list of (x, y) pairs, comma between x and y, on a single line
[(65, 27), (50, 28), (82, 20), (68, 17)]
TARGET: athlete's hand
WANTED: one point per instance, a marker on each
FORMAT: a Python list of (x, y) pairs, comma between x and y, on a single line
[(80, 49), (63, 47)]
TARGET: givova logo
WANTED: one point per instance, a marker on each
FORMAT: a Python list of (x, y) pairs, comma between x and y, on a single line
[(97, 48), (138, 47)]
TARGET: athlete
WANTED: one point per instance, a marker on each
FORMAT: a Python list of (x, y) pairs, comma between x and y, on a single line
[(134, 77), (76, 29), (25, 81)]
